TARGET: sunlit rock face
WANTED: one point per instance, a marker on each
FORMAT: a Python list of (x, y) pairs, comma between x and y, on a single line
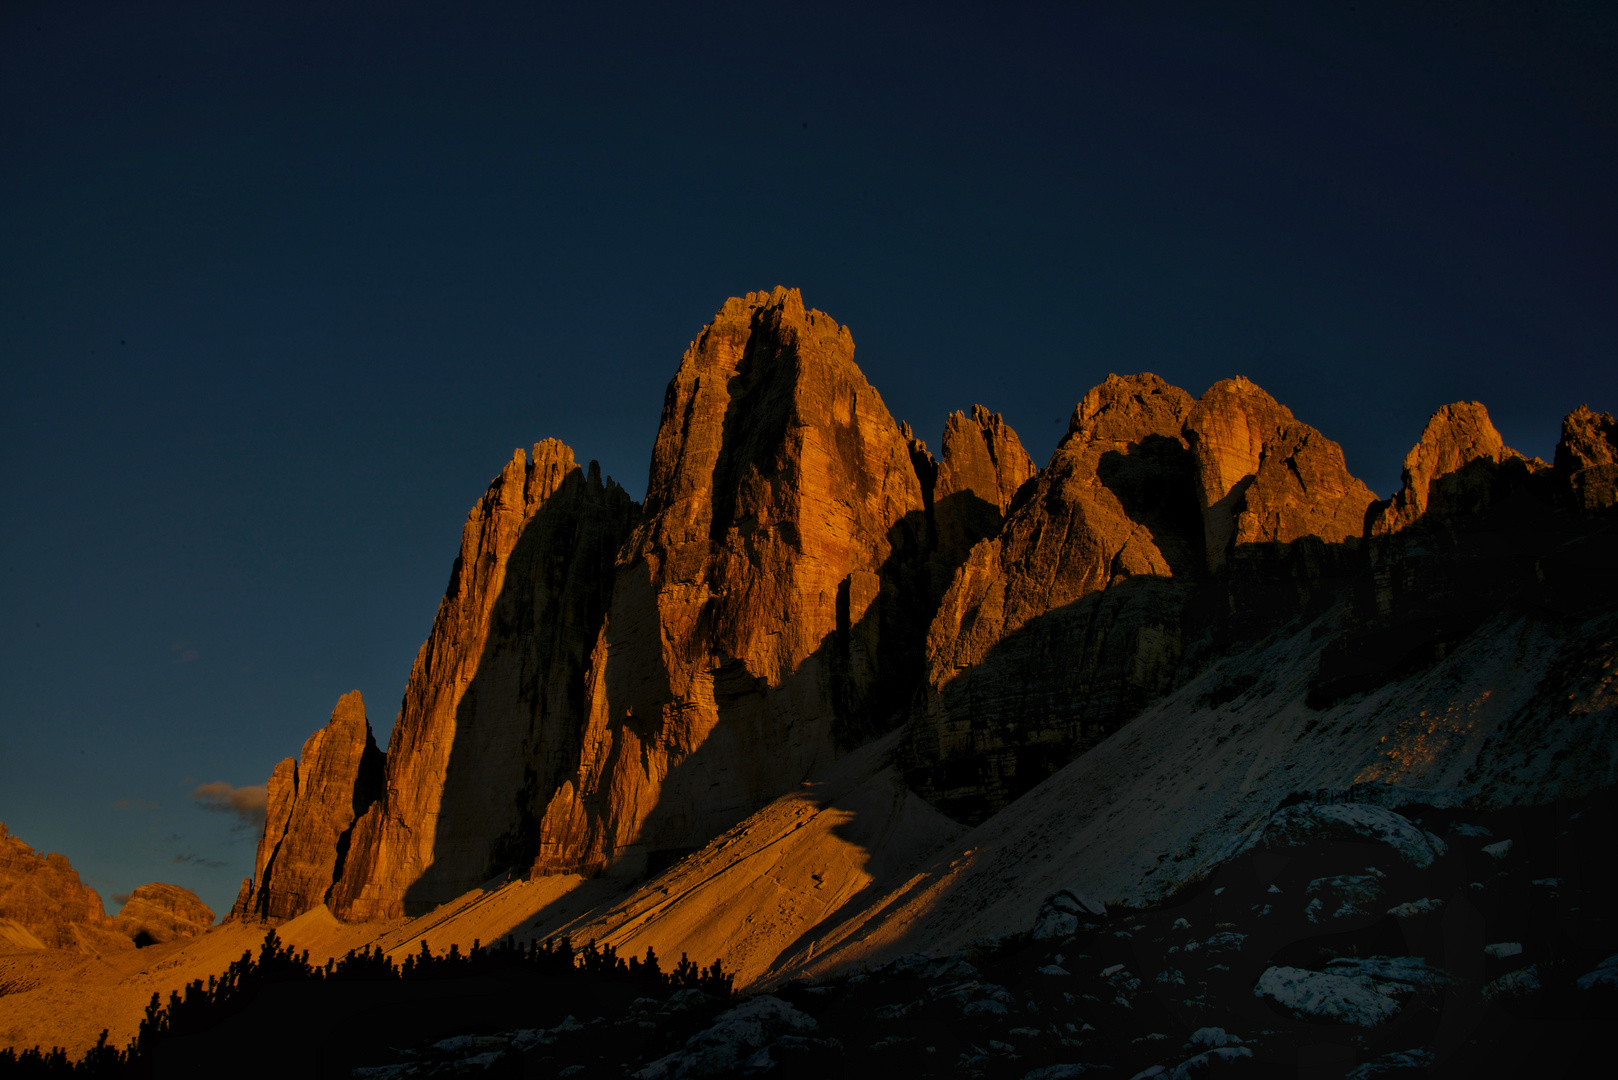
[(1064, 623), (1450, 470), (311, 806), (42, 900), (158, 912), (1263, 477), (983, 466), (770, 606), (496, 699)]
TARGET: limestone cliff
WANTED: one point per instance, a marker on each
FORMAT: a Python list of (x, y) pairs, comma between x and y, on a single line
[(1264, 477), (766, 611), (1077, 614), (1067, 621), (157, 912), (495, 703), (1476, 529), (312, 805), (982, 468), (1448, 468), (1587, 459), (42, 894)]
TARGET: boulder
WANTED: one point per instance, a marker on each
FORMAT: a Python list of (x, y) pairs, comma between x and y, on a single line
[(1306, 823)]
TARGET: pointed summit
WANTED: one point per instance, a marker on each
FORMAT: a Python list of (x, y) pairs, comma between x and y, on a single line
[(1264, 477), (495, 701), (763, 610), (312, 804)]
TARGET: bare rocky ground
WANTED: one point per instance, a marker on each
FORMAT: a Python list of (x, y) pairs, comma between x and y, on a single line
[(1349, 941)]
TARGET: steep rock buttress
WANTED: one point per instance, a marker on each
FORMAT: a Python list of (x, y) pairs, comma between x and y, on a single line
[(496, 700), (766, 611)]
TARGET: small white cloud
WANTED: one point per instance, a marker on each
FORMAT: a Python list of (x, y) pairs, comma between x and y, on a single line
[(247, 803)]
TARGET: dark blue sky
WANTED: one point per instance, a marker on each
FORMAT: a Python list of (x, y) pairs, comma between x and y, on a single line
[(280, 290)]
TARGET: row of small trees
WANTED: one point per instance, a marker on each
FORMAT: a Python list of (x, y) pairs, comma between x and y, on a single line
[(202, 1005)]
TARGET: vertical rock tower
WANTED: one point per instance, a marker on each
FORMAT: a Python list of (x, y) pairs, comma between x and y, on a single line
[(311, 807), (495, 701), (766, 609)]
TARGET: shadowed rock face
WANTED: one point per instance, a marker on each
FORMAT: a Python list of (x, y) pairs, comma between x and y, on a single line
[(157, 912), (496, 700), (1587, 456), (767, 610), (1064, 623), (311, 805), (606, 688), (1073, 618), (44, 896), (1436, 474)]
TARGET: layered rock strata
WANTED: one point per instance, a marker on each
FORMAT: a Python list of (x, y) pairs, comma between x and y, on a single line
[(768, 608), (157, 912), (311, 806), (496, 701)]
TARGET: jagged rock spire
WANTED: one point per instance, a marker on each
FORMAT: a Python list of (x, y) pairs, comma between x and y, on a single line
[(767, 609)]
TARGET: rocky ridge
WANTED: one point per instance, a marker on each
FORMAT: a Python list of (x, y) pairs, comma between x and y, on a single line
[(609, 687), (42, 896), (44, 905), (311, 807)]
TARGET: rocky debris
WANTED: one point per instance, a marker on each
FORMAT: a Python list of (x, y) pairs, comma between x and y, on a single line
[(496, 701), (43, 900), (751, 1033), (312, 804), (1265, 478), (1587, 459), (1344, 896), (157, 912), (1308, 823), (1405, 1062), (1063, 912), (774, 595), (1252, 992), (1605, 975)]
